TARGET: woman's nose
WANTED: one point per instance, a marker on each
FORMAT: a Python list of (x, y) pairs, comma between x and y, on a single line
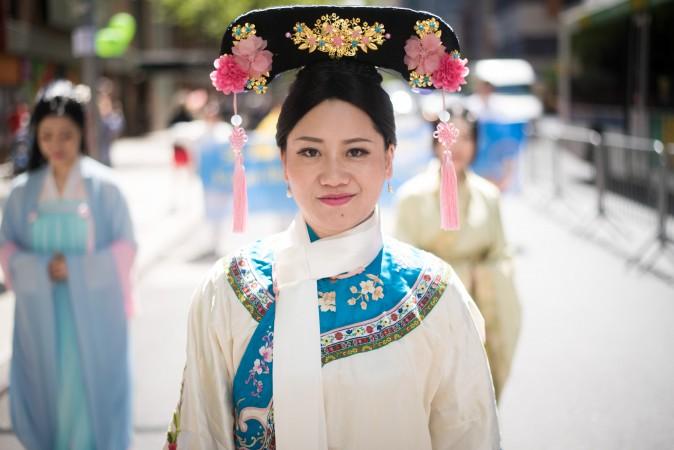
[(333, 173)]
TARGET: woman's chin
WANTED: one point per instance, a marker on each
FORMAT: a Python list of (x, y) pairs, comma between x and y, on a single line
[(337, 222)]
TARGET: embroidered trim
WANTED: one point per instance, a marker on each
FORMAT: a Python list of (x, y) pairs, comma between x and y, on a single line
[(266, 438), (391, 325), (365, 336), (252, 294), (338, 37)]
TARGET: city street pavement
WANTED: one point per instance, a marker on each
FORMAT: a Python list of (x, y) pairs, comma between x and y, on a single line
[(593, 368)]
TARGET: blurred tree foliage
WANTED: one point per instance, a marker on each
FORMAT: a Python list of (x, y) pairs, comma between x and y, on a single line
[(212, 16)]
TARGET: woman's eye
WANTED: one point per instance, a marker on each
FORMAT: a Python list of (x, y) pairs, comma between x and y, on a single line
[(357, 152), (308, 152)]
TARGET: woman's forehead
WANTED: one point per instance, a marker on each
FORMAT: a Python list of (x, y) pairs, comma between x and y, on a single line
[(53, 121), (335, 119)]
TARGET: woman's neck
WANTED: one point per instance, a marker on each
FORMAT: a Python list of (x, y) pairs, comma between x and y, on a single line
[(61, 173), (320, 234)]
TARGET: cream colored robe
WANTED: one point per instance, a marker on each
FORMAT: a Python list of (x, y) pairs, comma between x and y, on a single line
[(428, 389), (478, 253)]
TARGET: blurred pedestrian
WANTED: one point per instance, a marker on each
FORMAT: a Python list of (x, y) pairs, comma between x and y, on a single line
[(19, 138), (214, 166), (66, 247), (478, 251), (111, 120), (180, 112), (329, 335)]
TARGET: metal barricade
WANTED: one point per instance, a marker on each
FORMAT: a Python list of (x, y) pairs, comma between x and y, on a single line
[(661, 242), (631, 179)]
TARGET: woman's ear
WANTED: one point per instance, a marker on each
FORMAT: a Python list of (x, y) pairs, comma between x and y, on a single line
[(285, 165)]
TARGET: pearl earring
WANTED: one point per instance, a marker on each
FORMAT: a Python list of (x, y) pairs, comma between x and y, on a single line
[(288, 193)]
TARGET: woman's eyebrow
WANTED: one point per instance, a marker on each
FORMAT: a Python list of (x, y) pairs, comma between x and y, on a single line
[(309, 138), (356, 139), (319, 140)]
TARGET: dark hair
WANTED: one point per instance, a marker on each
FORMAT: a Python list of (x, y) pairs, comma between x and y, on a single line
[(356, 83), (60, 98)]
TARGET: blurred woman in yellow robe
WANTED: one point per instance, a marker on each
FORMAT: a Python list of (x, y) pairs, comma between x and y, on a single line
[(478, 251)]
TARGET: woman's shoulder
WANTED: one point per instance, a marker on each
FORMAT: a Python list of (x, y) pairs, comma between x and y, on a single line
[(25, 185), (408, 256), (248, 272), (104, 175), (416, 266), (420, 185), (433, 272), (483, 187)]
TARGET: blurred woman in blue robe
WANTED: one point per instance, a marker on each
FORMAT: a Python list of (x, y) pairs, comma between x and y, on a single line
[(66, 248)]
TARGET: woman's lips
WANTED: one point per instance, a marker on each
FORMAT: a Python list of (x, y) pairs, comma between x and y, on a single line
[(336, 199)]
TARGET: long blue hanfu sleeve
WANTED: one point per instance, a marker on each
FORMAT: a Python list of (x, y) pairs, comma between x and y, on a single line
[(34, 364)]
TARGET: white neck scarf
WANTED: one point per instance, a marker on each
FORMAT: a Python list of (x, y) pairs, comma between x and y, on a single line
[(299, 412)]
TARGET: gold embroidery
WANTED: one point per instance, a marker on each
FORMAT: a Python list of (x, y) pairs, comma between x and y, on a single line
[(240, 32), (428, 26), (339, 37), (258, 85), (418, 80)]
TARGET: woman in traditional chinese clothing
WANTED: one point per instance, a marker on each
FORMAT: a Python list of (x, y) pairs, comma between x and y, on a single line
[(478, 252), (66, 248), (331, 335)]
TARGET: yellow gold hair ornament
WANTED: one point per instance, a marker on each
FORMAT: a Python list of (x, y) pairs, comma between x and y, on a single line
[(338, 37)]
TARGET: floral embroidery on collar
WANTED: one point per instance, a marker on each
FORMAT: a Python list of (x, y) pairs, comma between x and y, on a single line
[(327, 301), (391, 325), (372, 289)]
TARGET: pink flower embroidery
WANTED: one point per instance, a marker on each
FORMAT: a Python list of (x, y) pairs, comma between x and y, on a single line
[(228, 77), (251, 55), (424, 55), (267, 353), (451, 73)]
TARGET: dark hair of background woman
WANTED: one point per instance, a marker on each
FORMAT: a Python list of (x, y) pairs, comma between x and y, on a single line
[(62, 106), (350, 81)]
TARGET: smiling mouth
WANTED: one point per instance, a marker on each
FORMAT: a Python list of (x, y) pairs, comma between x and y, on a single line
[(336, 199)]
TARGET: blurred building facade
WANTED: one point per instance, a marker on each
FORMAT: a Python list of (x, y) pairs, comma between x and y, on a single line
[(36, 47), (617, 66)]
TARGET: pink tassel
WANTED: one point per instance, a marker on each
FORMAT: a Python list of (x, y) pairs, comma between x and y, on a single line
[(240, 193), (449, 194), (447, 134)]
